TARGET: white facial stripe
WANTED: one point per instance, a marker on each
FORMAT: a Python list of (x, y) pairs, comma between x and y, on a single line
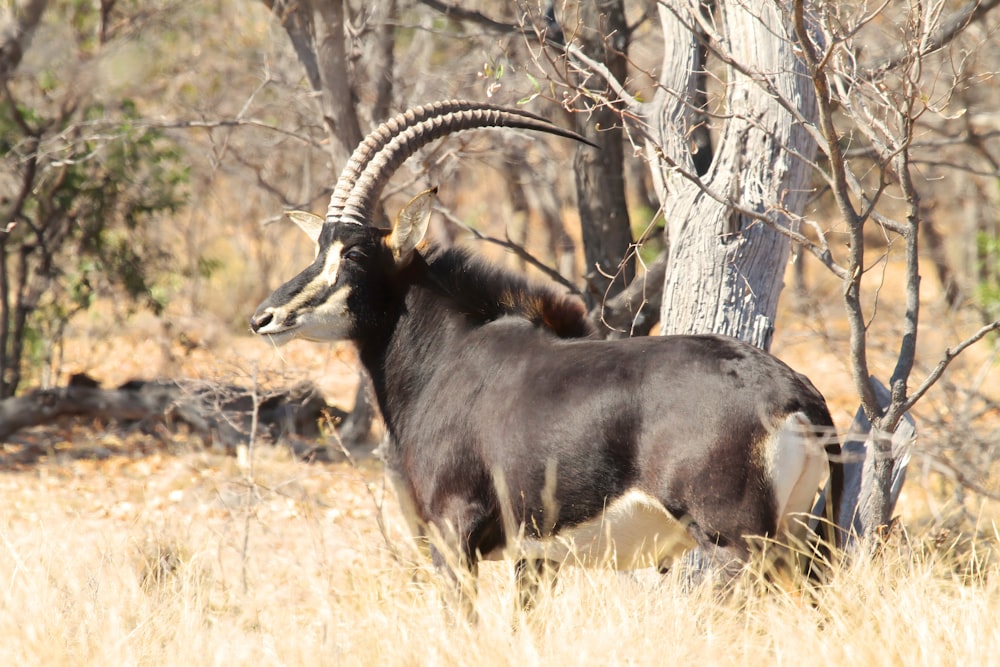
[(330, 320), (331, 267), (304, 295), (327, 277), (315, 311), (335, 305)]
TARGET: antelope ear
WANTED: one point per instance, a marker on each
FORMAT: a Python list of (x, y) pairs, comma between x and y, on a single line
[(411, 226), (310, 223)]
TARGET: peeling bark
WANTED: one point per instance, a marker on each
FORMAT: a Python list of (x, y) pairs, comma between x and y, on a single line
[(725, 269)]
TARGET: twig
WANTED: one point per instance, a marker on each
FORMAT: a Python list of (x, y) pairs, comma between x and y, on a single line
[(952, 471), (186, 124), (251, 484), (949, 355), (519, 250), (378, 503), (962, 19), (816, 65), (480, 19)]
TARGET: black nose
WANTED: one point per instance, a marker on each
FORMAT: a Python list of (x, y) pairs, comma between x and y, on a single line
[(258, 321)]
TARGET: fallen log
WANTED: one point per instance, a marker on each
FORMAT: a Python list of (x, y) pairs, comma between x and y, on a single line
[(222, 415)]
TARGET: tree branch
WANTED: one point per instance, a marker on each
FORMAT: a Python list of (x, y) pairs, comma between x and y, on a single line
[(961, 20), (480, 19), (517, 249), (949, 355), (298, 24), (182, 124), (16, 35), (614, 84), (908, 341), (949, 469), (636, 309), (816, 64)]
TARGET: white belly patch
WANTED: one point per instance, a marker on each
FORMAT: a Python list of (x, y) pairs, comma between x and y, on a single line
[(634, 531)]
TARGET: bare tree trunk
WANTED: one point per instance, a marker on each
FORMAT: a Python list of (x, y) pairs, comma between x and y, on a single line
[(383, 61), (14, 39), (16, 34), (725, 269), (339, 104), (319, 32), (600, 182)]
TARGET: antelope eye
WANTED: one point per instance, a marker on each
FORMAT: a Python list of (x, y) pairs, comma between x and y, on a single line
[(354, 254)]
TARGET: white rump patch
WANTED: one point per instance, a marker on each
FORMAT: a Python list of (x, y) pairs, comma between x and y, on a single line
[(795, 461), (634, 531)]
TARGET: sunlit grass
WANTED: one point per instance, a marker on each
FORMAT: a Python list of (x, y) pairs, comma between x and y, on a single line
[(184, 560)]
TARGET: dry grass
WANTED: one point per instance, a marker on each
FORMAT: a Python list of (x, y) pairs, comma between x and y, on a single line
[(187, 559), (184, 560)]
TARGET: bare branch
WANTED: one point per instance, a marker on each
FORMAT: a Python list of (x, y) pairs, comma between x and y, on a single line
[(950, 470), (634, 310), (972, 12), (227, 122), (297, 22), (949, 355), (908, 340), (16, 35), (480, 19), (614, 84), (520, 251), (816, 64)]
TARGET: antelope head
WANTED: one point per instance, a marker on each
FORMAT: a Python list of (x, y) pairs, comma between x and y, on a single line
[(337, 296)]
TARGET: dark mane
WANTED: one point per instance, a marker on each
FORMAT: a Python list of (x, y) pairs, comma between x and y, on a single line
[(487, 292)]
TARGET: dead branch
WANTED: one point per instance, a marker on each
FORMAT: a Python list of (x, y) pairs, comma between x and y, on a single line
[(16, 35), (635, 310), (951, 28), (478, 18), (519, 250)]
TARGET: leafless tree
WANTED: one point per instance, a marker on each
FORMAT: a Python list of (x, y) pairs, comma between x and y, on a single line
[(886, 100), (796, 87)]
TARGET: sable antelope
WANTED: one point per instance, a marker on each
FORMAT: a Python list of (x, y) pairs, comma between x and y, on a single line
[(510, 429)]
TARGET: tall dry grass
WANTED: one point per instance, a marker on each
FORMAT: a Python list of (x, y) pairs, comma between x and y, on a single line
[(188, 560)]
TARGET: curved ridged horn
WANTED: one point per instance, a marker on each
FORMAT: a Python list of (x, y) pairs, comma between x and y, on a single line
[(369, 147), (391, 143)]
